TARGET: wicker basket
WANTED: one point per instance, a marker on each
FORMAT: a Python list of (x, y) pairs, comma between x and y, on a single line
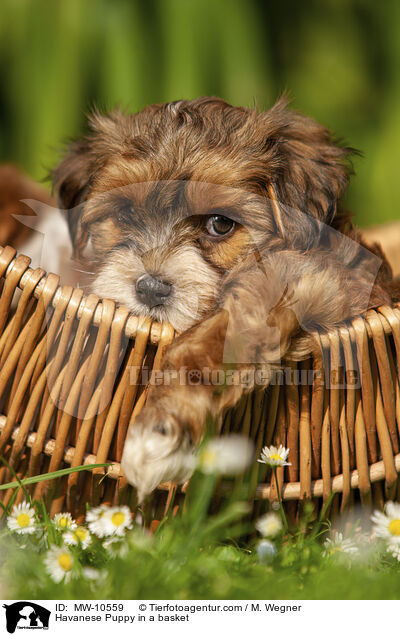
[(68, 397)]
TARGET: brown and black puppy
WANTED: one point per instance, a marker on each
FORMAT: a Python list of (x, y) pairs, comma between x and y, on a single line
[(225, 222)]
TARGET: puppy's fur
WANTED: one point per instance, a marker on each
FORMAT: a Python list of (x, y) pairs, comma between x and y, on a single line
[(141, 191)]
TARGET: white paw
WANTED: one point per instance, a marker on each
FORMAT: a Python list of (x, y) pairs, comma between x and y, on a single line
[(156, 451)]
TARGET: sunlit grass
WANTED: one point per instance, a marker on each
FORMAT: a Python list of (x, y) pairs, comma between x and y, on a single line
[(197, 554)]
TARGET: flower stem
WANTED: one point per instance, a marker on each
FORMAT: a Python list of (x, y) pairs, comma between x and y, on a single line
[(283, 516)]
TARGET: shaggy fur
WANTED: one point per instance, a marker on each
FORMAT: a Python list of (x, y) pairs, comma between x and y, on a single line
[(143, 191)]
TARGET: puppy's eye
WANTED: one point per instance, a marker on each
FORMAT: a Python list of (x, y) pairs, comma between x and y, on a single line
[(125, 214), (218, 225)]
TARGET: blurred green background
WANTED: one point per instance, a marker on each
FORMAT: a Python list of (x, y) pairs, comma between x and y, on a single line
[(339, 60)]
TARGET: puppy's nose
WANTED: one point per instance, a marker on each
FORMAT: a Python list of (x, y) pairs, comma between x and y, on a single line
[(152, 291)]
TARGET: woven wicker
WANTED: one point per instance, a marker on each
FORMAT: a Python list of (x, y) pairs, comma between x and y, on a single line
[(68, 397)]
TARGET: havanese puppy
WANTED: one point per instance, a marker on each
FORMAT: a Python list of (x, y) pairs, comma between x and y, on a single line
[(225, 222)]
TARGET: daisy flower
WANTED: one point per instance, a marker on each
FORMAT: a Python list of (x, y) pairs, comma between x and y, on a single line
[(92, 574), (394, 549), (387, 524), (269, 525), (79, 536), (273, 456), (58, 562), (22, 519), (64, 521), (94, 513), (94, 519), (117, 519), (113, 521), (339, 545), (116, 547), (229, 455)]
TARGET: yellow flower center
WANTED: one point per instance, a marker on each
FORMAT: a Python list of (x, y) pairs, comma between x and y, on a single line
[(118, 518), (81, 533), (208, 457), (65, 561), (23, 520), (63, 522), (394, 527), (336, 548), (277, 457)]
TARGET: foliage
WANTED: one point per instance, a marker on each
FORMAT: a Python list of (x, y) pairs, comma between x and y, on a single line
[(339, 61), (198, 554)]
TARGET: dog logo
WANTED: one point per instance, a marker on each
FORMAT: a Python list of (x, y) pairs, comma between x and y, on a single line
[(26, 615)]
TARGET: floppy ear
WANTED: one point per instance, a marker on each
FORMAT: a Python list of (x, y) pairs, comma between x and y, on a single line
[(313, 169), (73, 177), (71, 182)]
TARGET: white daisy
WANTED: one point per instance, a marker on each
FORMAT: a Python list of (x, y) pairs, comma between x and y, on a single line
[(230, 455), (59, 562), (95, 520), (92, 574), (273, 456), (394, 549), (22, 519), (79, 536), (387, 524), (339, 545), (94, 513), (116, 547), (64, 521), (110, 521), (269, 525), (117, 519)]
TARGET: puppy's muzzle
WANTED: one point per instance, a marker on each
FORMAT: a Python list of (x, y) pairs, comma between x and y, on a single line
[(152, 291)]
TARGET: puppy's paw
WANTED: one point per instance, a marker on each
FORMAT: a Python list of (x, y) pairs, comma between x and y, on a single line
[(158, 448)]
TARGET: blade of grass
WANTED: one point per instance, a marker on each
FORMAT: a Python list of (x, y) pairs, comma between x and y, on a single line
[(10, 504), (18, 481), (46, 476), (51, 532), (322, 516)]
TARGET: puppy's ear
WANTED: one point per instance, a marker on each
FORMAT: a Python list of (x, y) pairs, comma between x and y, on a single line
[(313, 169), (71, 182), (72, 179)]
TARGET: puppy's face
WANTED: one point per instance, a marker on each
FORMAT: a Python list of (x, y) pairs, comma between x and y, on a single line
[(173, 198), (161, 247)]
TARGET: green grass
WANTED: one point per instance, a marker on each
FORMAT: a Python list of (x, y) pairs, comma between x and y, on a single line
[(163, 568), (198, 555)]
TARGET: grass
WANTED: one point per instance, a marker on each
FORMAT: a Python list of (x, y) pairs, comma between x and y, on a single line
[(163, 568), (198, 555)]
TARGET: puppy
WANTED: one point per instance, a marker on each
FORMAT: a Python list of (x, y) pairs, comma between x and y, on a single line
[(225, 222)]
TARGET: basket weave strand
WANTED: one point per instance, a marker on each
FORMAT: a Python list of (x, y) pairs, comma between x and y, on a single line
[(71, 384)]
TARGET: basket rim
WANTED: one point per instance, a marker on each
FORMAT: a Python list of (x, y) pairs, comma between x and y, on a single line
[(163, 331), (134, 324)]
